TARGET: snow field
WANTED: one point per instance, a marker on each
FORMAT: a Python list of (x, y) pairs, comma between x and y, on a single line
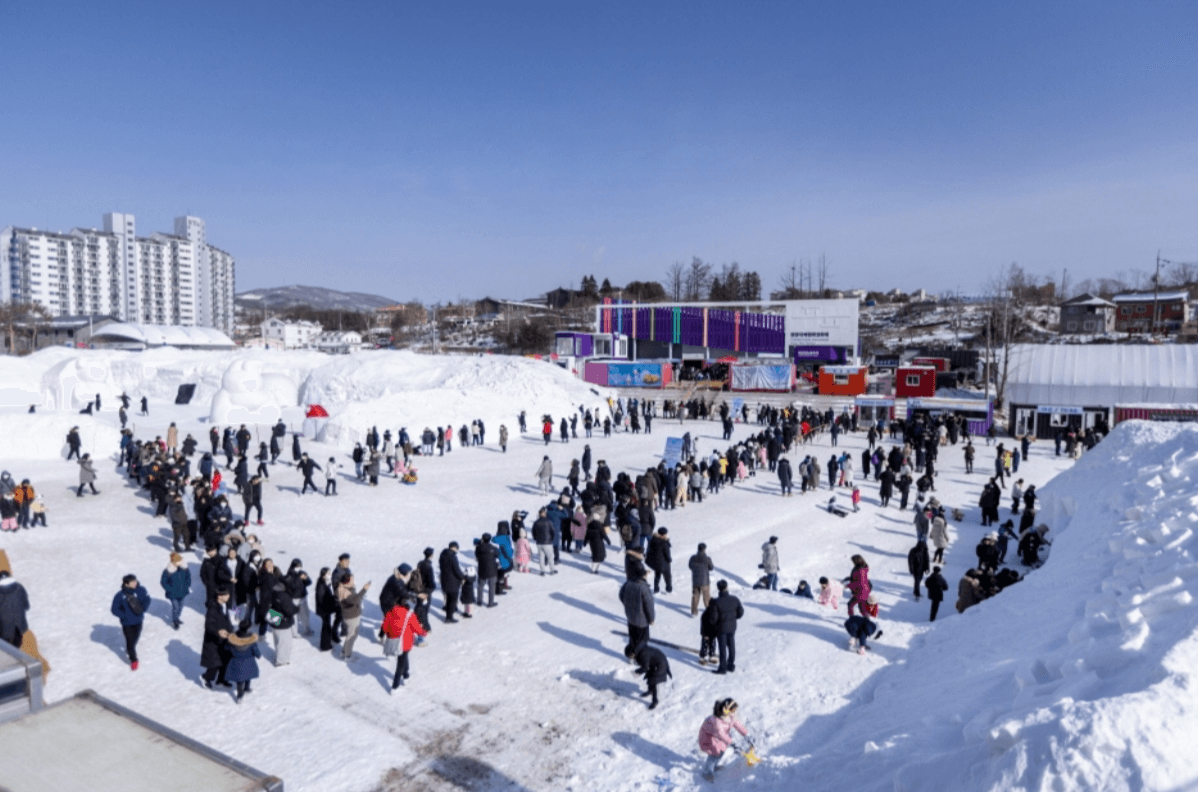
[(1074, 679)]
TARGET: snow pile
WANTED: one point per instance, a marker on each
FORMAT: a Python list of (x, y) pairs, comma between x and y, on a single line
[(44, 436), (373, 388), (1078, 678), (404, 389)]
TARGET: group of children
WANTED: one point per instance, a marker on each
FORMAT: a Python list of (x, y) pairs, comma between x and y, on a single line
[(20, 506)]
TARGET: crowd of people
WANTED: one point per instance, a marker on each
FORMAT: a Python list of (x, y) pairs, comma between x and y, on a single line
[(246, 595)]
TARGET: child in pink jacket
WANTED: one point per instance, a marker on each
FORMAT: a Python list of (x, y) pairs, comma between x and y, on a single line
[(827, 594), (523, 552), (715, 736)]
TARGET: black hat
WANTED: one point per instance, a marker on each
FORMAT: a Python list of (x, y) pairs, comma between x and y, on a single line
[(405, 569), (343, 557), (773, 540), (453, 545), (702, 546), (428, 552)]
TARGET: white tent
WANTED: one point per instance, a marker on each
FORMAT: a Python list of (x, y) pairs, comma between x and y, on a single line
[(1102, 374)]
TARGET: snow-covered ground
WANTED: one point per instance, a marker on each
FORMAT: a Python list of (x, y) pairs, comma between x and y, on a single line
[(1077, 678)]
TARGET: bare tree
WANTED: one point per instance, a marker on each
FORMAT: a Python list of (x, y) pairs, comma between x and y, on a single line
[(790, 285), (698, 280), (822, 269), (675, 281)]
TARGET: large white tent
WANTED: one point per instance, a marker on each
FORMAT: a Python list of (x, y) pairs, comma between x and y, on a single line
[(1103, 374), (122, 335)]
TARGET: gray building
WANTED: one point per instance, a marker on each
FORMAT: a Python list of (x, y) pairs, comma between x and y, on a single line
[(1087, 314)]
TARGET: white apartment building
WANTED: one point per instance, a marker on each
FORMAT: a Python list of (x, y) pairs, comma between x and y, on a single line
[(167, 279), (338, 342), (291, 335)]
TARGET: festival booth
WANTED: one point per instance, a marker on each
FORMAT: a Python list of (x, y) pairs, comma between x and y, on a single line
[(761, 377), (871, 409), (917, 381), (843, 380), (623, 374), (978, 413), (315, 422)]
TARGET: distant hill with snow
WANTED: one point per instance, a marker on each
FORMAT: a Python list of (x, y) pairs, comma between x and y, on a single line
[(280, 297)]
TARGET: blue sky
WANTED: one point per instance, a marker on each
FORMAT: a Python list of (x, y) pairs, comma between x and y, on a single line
[(449, 150)]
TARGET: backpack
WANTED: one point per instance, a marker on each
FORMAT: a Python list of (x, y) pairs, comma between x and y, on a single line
[(134, 603), (626, 532), (274, 618)]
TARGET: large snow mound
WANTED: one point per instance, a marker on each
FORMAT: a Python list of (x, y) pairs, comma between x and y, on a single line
[(374, 388), (1078, 678)]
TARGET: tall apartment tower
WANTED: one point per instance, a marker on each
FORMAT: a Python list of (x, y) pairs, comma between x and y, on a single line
[(169, 279)]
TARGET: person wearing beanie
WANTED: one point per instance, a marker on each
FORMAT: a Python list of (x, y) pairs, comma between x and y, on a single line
[(701, 567), (936, 585), (176, 583), (403, 630), (861, 627), (130, 605)]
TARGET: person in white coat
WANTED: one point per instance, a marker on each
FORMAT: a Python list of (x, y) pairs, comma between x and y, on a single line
[(330, 476), (769, 563), (545, 475)]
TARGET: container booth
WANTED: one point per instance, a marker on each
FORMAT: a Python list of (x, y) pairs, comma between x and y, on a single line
[(1173, 413), (917, 381), (843, 380), (978, 413), (870, 409), (938, 363)]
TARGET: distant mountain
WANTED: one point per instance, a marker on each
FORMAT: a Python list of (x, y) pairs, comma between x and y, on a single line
[(281, 297)]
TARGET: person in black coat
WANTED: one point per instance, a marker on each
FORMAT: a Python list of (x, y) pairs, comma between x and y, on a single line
[(326, 607), (251, 496), (487, 557), (296, 452), (214, 654), (14, 603), (596, 539), (652, 665), (658, 558), (918, 563), (886, 488), (395, 590), (936, 586), (730, 610), (452, 578), (307, 466)]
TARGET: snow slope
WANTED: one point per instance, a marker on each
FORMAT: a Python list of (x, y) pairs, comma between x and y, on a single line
[(1074, 679)]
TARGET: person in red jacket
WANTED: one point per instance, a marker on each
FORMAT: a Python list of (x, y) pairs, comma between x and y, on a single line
[(401, 624)]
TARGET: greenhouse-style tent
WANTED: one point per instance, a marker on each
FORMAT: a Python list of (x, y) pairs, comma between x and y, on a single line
[(1053, 387)]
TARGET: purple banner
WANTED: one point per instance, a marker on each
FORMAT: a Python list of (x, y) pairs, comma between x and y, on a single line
[(817, 354)]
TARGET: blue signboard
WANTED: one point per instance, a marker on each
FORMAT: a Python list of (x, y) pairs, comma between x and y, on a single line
[(673, 452)]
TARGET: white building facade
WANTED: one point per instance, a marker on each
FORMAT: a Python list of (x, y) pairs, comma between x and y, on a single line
[(165, 279), (290, 335)]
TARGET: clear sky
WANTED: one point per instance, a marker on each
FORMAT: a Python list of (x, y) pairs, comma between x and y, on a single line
[(446, 150)]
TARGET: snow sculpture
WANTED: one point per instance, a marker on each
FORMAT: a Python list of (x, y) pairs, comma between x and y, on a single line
[(249, 395)]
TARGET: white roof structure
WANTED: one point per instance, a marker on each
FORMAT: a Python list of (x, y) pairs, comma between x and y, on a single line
[(143, 336), (1150, 297), (1102, 375)]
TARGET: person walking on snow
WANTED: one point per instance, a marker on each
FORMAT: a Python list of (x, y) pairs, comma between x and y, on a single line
[(858, 581), (130, 605), (545, 475)]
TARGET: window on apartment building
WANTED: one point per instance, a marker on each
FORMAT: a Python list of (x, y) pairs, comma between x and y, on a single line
[(1071, 326)]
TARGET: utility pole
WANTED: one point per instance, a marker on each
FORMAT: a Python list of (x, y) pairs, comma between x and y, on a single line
[(1156, 291)]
